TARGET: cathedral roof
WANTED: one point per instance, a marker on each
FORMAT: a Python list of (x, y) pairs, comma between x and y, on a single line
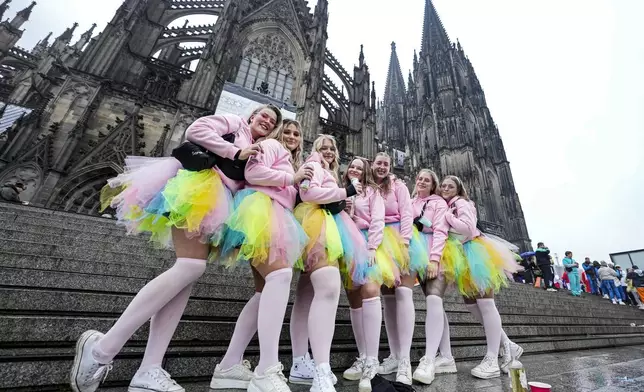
[(395, 85), (434, 34)]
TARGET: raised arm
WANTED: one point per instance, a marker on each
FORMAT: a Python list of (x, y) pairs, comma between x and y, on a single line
[(259, 169), (208, 131)]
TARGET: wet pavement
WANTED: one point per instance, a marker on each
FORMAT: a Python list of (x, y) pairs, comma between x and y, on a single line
[(610, 370)]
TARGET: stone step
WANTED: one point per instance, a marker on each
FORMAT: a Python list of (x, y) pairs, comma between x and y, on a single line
[(237, 287), (74, 304), (44, 213), (190, 363)]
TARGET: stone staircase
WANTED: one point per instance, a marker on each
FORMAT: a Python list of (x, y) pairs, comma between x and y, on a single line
[(63, 273)]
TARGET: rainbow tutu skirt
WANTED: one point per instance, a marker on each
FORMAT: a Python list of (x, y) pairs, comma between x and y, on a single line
[(155, 194), (385, 270), (336, 241), (260, 230), (479, 266), (415, 261)]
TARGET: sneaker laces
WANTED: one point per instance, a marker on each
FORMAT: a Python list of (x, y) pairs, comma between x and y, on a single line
[(358, 364), (101, 372), (488, 363), (278, 379), (369, 370), (163, 378), (324, 379), (309, 363), (389, 361)]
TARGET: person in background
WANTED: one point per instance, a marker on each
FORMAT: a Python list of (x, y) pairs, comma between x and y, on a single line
[(600, 292), (11, 192), (632, 279), (543, 262), (616, 281), (572, 268), (590, 275), (622, 285), (606, 276)]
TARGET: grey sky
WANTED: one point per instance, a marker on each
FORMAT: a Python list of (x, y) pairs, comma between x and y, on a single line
[(563, 80)]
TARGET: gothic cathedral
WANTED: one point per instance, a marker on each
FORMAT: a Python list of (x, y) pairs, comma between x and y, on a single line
[(72, 112)]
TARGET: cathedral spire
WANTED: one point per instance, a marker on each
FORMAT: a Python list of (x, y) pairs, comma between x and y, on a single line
[(361, 57), (395, 86), (42, 45), (434, 34), (22, 16), (67, 35), (84, 39), (4, 7)]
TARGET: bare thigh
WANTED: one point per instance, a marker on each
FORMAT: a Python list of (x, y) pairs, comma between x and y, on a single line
[(191, 248), (355, 296), (258, 279), (435, 287), (472, 300), (265, 268)]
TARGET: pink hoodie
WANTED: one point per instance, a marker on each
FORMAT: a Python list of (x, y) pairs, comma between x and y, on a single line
[(461, 216), (208, 131), (435, 213), (271, 173), (398, 208), (369, 213), (323, 188)]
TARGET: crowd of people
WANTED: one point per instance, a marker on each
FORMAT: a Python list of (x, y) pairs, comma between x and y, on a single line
[(599, 278), (239, 191)]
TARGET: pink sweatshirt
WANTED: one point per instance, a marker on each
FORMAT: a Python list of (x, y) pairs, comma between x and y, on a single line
[(461, 216), (323, 188), (398, 208), (208, 131), (435, 213), (271, 173), (369, 213)]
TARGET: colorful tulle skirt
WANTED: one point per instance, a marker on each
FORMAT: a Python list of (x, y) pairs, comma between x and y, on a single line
[(384, 270), (336, 241), (479, 266), (415, 261), (155, 194), (260, 230)]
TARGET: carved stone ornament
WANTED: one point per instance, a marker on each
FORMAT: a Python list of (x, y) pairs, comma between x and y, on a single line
[(29, 175), (272, 51)]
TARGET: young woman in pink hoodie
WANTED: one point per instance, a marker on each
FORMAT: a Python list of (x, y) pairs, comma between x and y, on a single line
[(479, 265), (368, 211), (185, 208), (233, 372), (412, 260), (335, 250), (262, 230), (429, 212)]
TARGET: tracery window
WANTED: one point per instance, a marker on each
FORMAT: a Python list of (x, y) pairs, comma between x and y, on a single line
[(268, 66)]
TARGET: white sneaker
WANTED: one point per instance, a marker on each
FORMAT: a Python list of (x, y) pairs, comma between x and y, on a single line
[(87, 373), (302, 370), (154, 380), (641, 307), (606, 296), (551, 289), (237, 377), (272, 380), (403, 375), (621, 302), (507, 351), (354, 373), (443, 365), (389, 365), (370, 369), (426, 371), (614, 302), (488, 368), (323, 380)]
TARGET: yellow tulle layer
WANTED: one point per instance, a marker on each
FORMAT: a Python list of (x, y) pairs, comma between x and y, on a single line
[(324, 243)]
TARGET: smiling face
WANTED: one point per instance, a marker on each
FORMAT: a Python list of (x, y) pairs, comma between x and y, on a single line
[(327, 151), (381, 168), (449, 189), (356, 170), (424, 184), (292, 137), (262, 123)]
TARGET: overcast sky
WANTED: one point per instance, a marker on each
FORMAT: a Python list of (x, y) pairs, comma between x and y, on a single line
[(564, 81)]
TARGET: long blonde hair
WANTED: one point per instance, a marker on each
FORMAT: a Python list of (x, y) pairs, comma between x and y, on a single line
[(367, 176), (460, 188), (278, 134), (334, 167), (434, 177)]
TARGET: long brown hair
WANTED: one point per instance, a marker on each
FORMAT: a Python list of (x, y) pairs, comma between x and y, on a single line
[(387, 182), (460, 188), (367, 176), (278, 134)]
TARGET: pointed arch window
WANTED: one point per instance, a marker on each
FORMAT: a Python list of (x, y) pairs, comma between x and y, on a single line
[(268, 66)]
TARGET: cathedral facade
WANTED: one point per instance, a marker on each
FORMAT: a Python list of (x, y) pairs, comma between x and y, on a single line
[(72, 111)]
